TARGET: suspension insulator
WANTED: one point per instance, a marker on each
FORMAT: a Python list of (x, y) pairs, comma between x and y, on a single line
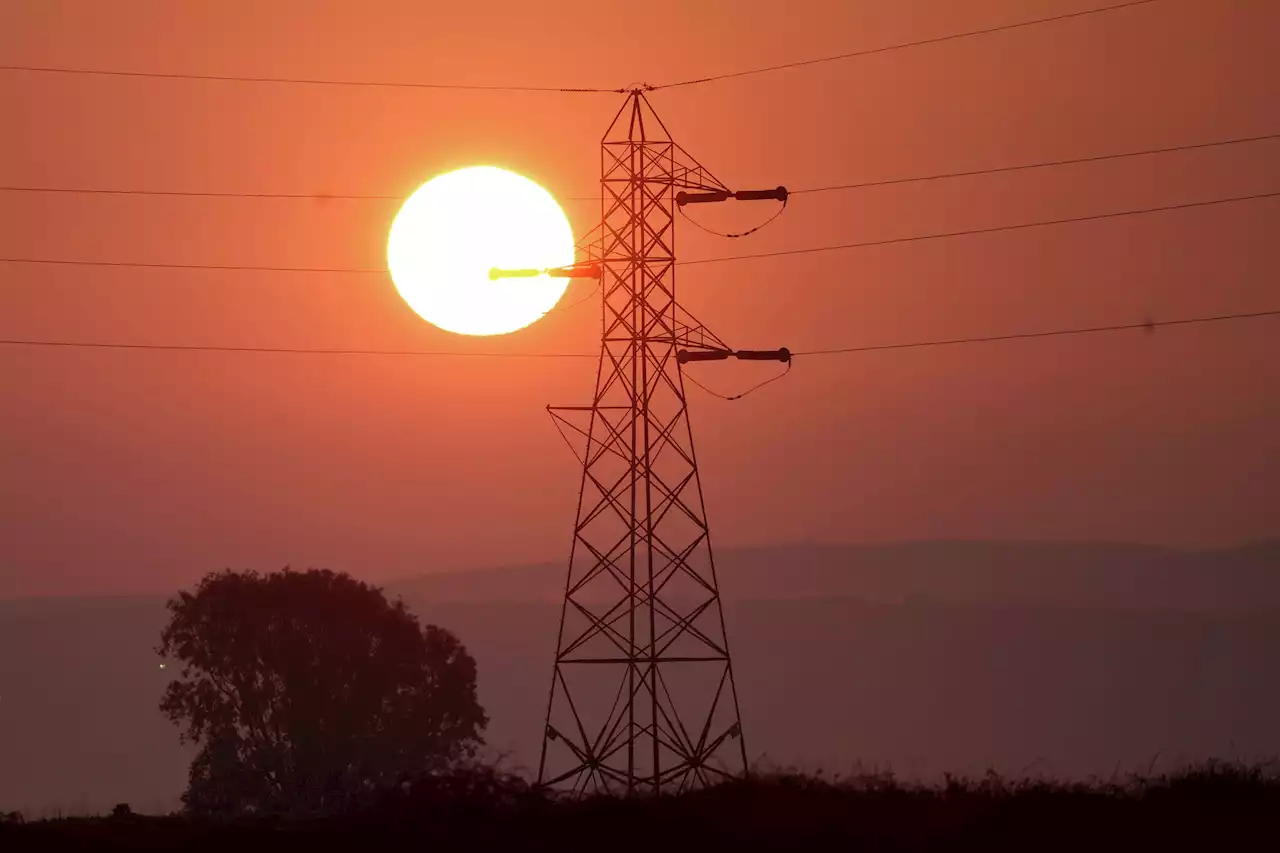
[(783, 355), (584, 271), (683, 198), (495, 273), (685, 356), (777, 194)]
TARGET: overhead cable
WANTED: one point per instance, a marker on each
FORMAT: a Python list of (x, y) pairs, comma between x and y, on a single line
[(289, 350), (1147, 325), (322, 197), (860, 245), (970, 232), (1043, 164), (740, 394), (176, 266), (304, 81), (903, 45), (389, 84)]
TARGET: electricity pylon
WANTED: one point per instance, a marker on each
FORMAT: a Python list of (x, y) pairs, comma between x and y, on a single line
[(642, 696)]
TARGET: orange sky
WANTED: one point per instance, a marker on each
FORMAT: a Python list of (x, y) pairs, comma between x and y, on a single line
[(128, 471)]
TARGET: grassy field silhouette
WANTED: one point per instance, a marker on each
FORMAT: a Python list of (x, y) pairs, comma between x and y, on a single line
[(1214, 805)]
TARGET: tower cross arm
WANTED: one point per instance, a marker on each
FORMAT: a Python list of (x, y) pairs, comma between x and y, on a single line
[(692, 333)]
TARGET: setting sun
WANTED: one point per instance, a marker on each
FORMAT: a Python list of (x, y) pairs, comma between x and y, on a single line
[(458, 226)]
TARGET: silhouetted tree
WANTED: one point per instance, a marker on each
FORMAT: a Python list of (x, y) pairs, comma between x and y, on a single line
[(308, 690)]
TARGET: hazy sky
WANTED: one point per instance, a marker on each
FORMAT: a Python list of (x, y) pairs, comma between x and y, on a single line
[(127, 471)]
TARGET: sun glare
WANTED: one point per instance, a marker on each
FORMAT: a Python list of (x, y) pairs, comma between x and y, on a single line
[(458, 226)]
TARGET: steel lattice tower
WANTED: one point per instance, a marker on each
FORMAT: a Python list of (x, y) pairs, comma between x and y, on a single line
[(642, 697)]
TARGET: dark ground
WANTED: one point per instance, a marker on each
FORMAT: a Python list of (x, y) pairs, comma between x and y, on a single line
[(1210, 807)]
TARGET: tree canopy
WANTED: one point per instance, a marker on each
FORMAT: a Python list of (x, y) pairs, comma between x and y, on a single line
[(307, 689)]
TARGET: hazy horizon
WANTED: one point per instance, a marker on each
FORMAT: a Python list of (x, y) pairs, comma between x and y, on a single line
[(923, 677)]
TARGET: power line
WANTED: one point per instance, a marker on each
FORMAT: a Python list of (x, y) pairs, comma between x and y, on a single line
[(581, 300), (201, 194), (1093, 158), (305, 81), (859, 185), (903, 45), (386, 84), (861, 245), (1088, 330), (1022, 336), (866, 244), (991, 230), (289, 350), (740, 394), (216, 194), (220, 267), (1044, 164)]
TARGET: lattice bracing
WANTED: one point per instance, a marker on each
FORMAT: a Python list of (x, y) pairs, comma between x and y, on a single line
[(642, 696)]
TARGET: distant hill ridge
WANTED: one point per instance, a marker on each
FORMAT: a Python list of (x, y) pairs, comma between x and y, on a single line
[(1245, 577), (1089, 574)]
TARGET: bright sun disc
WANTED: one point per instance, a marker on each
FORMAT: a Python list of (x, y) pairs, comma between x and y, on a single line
[(459, 225)]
